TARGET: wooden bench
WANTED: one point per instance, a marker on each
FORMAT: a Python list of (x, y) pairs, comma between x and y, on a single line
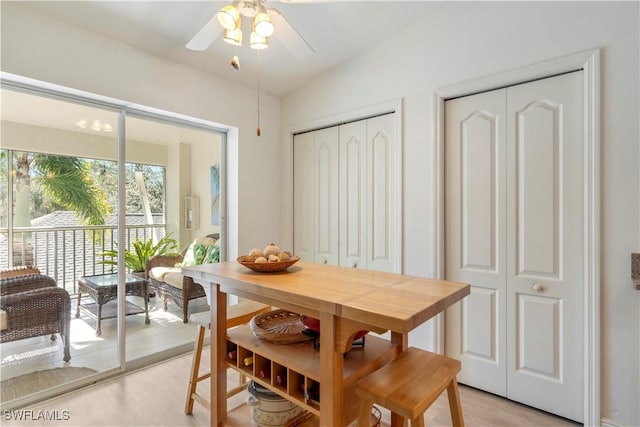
[(409, 385), (237, 314)]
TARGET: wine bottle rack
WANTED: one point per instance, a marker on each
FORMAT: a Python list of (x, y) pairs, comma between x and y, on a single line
[(293, 370)]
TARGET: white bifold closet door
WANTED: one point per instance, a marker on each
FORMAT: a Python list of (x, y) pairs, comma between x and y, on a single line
[(514, 204), (346, 198), (368, 199), (315, 198)]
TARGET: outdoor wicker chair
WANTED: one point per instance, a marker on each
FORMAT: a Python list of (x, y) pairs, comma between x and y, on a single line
[(180, 289), (33, 306), (22, 270)]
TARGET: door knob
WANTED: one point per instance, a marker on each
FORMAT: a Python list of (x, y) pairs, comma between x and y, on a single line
[(538, 287)]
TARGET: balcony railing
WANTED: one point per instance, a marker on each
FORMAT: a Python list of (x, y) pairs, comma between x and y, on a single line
[(68, 253)]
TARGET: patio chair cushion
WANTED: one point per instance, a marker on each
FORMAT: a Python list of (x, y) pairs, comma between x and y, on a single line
[(175, 279), (159, 273), (171, 275)]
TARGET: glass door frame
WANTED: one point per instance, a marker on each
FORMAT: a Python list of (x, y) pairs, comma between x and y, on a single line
[(124, 110)]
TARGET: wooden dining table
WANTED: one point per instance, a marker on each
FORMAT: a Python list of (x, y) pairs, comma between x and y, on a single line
[(345, 300)]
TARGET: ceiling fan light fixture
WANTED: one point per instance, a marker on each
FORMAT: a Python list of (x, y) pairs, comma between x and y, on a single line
[(229, 17), (257, 41), (249, 9), (262, 25), (233, 37)]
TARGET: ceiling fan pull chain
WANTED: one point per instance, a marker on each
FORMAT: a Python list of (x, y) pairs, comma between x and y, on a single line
[(235, 62), (258, 62)]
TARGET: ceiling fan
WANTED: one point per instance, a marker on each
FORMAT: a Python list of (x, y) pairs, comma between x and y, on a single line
[(264, 23)]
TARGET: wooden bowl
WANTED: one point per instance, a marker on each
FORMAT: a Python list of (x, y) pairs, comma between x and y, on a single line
[(279, 327), (267, 267)]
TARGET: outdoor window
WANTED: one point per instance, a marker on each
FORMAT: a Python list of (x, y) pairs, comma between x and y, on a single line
[(68, 206)]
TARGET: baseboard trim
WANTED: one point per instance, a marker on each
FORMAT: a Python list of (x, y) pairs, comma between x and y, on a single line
[(606, 422)]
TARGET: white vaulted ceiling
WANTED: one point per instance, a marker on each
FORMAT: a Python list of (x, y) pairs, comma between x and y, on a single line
[(336, 30)]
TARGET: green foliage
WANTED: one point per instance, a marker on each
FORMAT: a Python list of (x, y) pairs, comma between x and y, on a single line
[(86, 186), (68, 183), (136, 259)]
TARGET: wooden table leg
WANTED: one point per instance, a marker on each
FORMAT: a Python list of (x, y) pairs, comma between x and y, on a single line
[(403, 341), (331, 374), (218, 350)]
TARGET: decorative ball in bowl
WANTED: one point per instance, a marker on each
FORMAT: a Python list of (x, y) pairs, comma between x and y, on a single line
[(267, 267), (268, 260)]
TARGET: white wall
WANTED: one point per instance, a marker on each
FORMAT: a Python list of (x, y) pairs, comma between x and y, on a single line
[(463, 41), (203, 156), (41, 48)]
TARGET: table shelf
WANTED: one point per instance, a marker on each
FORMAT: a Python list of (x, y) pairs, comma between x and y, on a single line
[(293, 370)]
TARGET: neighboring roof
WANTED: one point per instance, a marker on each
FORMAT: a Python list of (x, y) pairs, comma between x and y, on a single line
[(63, 251), (69, 219)]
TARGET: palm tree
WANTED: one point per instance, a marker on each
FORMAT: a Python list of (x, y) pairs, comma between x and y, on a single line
[(66, 183)]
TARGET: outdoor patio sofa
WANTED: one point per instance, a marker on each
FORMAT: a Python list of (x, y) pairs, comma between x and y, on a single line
[(164, 273), (33, 305)]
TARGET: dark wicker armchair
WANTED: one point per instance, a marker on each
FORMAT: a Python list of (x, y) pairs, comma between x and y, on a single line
[(183, 289), (34, 306), (180, 295)]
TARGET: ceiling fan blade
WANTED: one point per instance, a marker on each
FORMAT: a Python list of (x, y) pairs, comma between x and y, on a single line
[(289, 36), (207, 35)]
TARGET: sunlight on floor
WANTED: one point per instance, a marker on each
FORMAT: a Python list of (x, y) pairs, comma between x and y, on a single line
[(82, 334), (165, 331), (161, 317), (41, 350)]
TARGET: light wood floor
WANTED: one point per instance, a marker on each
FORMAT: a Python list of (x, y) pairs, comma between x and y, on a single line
[(155, 396), (166, 336), (165, 332)]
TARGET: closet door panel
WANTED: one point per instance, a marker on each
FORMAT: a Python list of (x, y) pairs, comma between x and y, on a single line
[(475, 235), (538, 354), (478, 318), (326, 193), (478, 187), (545, 256), (353, 186), (381, 193), (537, 193), (304, 196)]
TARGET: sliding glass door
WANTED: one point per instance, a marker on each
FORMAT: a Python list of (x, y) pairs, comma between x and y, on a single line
[(85, 188), (171, 184), (60, 214)]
